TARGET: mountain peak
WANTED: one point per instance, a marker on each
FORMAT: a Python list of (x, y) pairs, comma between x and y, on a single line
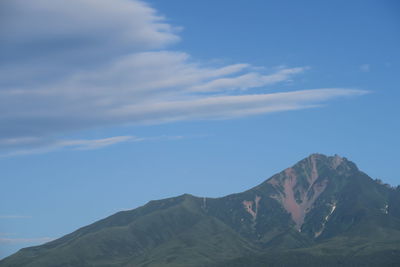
[(298, 187), (319, 207), (335, 162)]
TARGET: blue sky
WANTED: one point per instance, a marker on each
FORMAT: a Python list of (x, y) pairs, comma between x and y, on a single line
[(106, 105)]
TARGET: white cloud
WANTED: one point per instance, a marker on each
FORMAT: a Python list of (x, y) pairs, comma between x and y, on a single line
[(85, 23), (42, 146), (247, 80), (101, 63), (97, 143), (220, 107)]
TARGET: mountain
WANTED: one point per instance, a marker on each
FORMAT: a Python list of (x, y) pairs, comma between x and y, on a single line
[(323, 211)]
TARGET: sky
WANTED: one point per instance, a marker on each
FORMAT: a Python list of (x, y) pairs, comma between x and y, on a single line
[(108, 104)]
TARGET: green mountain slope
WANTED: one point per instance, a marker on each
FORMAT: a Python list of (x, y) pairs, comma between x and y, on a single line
[(321, 211)]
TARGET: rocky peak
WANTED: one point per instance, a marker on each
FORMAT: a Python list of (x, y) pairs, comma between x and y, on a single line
[(298, 187)]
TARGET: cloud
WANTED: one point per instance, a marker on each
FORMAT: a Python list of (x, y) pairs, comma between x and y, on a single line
[(247, 80), (81, 31), (72, 144), (222, 107), (111, 67), (97, 143)]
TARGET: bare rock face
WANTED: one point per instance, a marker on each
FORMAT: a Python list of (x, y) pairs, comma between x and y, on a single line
[(298, 187), (252, 206)]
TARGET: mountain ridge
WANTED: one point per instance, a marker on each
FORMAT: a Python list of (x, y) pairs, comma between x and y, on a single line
[(322, 206)]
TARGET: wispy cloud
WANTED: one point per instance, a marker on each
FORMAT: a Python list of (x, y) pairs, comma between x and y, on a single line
[(78, 144), (222, 107), (97, 143), (110, 67), (248, 80)]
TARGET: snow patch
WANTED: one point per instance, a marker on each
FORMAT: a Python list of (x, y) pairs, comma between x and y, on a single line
[(204, 203), (385, 209), (333, 207)]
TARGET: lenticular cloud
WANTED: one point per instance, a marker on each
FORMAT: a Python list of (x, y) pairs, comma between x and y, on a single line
[(106, 62)]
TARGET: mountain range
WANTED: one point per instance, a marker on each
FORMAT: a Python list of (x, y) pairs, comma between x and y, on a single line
[(323, 211)]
